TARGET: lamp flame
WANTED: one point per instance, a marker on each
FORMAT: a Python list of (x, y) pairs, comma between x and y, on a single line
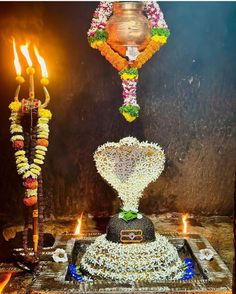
[(25, 52), (16, 59), (4, 281), (185, 223), (41, 62), (78, 228)]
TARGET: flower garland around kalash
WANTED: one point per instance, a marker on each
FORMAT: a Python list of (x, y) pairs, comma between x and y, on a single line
[(128, 67)]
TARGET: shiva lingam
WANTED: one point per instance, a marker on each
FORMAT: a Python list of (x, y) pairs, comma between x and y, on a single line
[(131, 251), (131, 257)]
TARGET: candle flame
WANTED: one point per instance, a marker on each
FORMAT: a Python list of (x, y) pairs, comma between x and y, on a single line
[(25, 51), (4, 281), (16, 59), (78, 227), (184, 220), (41, 62)]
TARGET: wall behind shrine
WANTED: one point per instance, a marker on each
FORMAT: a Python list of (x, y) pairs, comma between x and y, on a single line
[(187, 98)]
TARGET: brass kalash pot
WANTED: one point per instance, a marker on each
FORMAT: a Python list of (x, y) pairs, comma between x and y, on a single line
[(128, 27)]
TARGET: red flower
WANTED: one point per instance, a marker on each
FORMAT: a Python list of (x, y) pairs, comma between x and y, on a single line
[(30, 183), (18, 144)]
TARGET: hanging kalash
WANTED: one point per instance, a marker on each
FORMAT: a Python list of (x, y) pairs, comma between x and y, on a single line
[(128, 34), (29, 136)]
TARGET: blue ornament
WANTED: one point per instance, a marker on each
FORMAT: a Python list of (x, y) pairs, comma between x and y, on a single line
[(74, 274), (184, 278), (189, 273), (189, 262), (79, 279)]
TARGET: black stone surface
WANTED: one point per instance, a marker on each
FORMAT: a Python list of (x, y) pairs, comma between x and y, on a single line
[(116, 225)]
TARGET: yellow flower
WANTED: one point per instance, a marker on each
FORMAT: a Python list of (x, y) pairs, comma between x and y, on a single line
[(35, 171), (126, 76), (19, 152), (35, 166), (38, 161), (128, 117), (27, 174), (45, 113), (21, 159), (23, 164), (39, 156), (41, 152), (15, 106), (96, 44), (159, 39)]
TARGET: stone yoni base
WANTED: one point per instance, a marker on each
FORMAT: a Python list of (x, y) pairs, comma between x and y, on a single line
[(212, 276)]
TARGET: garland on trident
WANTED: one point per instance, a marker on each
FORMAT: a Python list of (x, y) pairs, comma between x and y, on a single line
[(128, 69), (29, 171), (29, 129)]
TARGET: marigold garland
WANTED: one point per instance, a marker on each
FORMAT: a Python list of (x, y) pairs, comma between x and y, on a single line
[(29, 171), (128, 70)]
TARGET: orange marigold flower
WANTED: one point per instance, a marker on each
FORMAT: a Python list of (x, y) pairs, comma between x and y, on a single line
[(114, 58), (30, 201), (42, 142)]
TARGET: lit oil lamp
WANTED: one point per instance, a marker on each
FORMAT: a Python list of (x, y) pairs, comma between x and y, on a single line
[(20, 80), (44, 81), (79, 225), (4, 281), (38, 136), (30, 69), (185, 223)]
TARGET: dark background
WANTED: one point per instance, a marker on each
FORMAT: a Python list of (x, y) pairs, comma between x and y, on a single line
[(187, 98)]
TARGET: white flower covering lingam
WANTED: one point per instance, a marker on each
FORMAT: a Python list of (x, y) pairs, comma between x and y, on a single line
[(129, 263), (129, 166)]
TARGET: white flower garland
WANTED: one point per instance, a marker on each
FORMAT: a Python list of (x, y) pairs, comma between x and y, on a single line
[(155, 15), (152, 262), (129, 166), (100, 17)]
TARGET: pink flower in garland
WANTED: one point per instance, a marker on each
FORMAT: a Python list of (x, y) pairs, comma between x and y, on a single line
[(155, 15), (130, 108), (100, 17), (129, 91)]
